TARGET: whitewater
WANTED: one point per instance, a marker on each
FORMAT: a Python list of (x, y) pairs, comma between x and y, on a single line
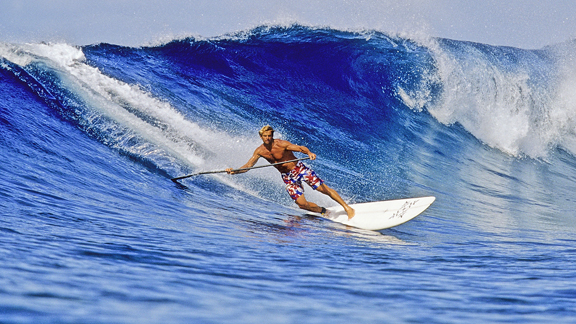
[(94, 231)]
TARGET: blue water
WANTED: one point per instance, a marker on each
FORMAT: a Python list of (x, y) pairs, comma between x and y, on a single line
[(93, 230)]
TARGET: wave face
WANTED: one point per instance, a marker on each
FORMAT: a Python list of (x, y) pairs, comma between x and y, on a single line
[(91, 135)]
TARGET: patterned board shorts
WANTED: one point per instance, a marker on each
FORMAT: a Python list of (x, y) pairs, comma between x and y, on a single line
[(293, 180)]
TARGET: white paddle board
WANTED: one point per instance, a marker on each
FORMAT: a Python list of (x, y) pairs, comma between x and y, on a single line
[(380, 215)]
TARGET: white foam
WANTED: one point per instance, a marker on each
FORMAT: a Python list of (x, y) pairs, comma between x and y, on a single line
[(522, 109)]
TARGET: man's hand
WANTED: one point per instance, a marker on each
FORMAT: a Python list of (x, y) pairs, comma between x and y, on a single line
[(312, 156), (229, 171)]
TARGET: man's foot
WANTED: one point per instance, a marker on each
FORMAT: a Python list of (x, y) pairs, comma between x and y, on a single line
[(351, 212)]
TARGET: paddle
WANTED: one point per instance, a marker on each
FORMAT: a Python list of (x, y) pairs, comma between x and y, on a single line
[(236, 170)]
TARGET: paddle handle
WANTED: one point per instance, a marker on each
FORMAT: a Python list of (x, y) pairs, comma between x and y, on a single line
[(236, 170)]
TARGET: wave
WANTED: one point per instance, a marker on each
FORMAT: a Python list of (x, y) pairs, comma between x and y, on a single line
[(191, 104), (518, 101)]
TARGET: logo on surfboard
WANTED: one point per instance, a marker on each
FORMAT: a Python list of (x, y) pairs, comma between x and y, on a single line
[(402, 210)]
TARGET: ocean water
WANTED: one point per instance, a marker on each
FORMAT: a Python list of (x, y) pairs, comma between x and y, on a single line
[(93, 230)]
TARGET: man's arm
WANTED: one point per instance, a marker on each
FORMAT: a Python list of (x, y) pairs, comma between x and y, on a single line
[(299, 148), (248, 164)]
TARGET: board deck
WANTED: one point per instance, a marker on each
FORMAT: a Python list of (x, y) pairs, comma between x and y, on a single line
[(380, 215)]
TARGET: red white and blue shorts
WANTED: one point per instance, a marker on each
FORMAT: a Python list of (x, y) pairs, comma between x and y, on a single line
[(293, 180)]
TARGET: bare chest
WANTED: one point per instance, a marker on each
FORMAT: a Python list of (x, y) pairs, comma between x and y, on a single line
[(275, 154)]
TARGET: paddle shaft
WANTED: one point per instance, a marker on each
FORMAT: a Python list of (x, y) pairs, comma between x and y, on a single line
[(236, 170)]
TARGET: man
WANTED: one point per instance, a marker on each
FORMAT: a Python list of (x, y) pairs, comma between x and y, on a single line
[(277, 150)]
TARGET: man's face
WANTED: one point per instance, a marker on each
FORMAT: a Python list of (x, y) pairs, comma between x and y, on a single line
[(267, 137)]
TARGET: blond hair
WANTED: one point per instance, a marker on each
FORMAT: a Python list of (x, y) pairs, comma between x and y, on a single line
[(265, 129)]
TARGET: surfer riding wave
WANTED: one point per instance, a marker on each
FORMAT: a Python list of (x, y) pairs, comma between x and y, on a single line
[(293, 173)]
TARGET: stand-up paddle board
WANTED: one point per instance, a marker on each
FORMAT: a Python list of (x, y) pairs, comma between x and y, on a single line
[(380, 215)]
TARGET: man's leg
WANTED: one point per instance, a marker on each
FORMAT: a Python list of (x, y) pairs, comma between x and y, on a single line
[(334, 195), (304, 204)]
